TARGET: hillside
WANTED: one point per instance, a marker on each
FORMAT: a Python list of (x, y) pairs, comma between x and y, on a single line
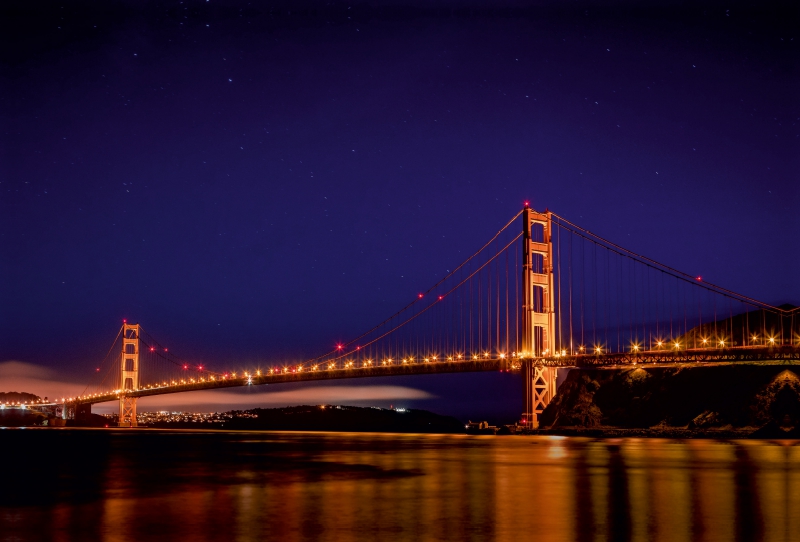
[(747, 396), (740, 329), (338, 418), (17, 396)]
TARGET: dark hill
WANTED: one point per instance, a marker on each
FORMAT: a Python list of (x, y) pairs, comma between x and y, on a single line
[(697, 397), (16, 417), (17, 396), (346, 418)]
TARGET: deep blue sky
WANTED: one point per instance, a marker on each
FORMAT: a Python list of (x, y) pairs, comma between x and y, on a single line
[(256, 185)]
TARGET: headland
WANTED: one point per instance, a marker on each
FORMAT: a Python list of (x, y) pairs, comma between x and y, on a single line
[(718, 401)]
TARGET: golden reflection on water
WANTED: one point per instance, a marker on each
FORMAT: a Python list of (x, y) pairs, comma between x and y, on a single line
[(340, 487)]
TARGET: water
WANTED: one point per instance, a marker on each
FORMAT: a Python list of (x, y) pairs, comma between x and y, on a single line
[(201, 486)]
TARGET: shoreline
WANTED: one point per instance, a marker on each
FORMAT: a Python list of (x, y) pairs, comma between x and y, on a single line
[(745, 433), (674, 433)]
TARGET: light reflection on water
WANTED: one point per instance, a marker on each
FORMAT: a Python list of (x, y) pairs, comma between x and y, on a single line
[(198, 486)]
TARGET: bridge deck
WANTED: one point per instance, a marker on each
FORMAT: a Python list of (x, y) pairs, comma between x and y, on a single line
[(782, 354), (306, 376)]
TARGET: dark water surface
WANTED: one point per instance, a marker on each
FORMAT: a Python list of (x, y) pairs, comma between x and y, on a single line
[(119, 485)]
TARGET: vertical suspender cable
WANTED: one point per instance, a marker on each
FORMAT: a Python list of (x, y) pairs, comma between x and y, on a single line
[(497, 288), (583, 288), (569, 270), (517, 308), (594, 296), (560, 326), (507, 347)]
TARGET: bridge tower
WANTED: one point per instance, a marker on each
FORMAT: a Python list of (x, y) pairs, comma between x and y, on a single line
[(128, 374), (538, 314)]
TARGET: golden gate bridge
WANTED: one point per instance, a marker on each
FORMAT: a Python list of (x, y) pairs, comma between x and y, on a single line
[(534, 299)]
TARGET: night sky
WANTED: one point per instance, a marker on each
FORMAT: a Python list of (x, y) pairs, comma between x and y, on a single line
[(254, 185)]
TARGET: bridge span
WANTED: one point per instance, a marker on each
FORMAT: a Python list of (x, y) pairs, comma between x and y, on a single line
[(548, 297), (780, 355)]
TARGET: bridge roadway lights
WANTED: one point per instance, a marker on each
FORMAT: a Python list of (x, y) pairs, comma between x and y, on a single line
[(539, 374)]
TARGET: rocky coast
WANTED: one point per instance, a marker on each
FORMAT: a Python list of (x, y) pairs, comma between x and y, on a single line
[(755, 400)]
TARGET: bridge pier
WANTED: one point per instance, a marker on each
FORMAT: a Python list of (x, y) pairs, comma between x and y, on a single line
[(539, 388), (127, 412)]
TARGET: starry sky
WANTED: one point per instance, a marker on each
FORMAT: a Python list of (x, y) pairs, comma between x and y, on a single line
[(255, 183)]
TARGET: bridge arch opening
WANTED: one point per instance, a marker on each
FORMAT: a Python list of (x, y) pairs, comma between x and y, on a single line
[(537, 263), (537, 232), (538, 299)]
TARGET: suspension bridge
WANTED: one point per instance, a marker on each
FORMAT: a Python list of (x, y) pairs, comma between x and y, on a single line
[(534, 299)]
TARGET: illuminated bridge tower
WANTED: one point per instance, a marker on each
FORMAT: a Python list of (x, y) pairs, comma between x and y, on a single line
[(128, 374), (538, 314)]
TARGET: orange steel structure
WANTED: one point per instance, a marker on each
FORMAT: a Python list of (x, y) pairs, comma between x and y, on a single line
[(538, 314), (129, 374), (527, 306)]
